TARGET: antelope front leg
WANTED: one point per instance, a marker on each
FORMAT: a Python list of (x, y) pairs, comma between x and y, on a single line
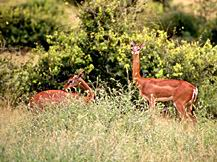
[(152, 102), (190, 113), (181, 109)]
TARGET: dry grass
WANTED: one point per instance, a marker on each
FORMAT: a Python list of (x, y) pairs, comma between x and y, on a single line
[(10, 118), (10, 115), (108, 130), (11, 2), (183, 2), (73, 19), (208, 10), (20, 58)]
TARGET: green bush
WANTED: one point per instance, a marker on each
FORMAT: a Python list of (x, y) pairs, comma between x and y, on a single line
[(180, 24), (102, 47), (107, 40), (64, 58), (210, 31), (53, 68), (6, 74), (27, 24)]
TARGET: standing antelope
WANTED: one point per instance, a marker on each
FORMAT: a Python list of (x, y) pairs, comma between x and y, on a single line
[(48, 97), (182, 93)]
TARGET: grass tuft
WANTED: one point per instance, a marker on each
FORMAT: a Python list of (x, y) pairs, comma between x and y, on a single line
[(110, 129)]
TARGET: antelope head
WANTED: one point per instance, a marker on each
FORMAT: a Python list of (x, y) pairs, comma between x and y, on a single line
[(74, 81), (135, 49)]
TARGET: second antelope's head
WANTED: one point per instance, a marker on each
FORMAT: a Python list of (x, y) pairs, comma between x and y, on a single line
[(74, 82), (135, 48)]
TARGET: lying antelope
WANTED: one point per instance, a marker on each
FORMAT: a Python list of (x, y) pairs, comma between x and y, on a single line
[(50, 97)]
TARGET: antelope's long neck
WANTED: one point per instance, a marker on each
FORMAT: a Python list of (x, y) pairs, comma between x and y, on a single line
[(85, 86), (136, 67)]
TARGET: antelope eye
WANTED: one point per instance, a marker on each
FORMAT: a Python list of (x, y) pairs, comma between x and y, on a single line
[(71, 81)]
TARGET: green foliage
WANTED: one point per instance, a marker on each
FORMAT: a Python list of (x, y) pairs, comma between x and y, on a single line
[(6, 74), (107, 40), (62, 60), (28, 23), (209, 31), (101, 46), (53, 68), (180, 24), (188, 61)]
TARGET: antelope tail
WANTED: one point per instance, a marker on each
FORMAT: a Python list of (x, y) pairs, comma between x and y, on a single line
[(194, 95)]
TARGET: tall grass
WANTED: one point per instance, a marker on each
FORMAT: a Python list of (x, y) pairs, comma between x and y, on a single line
[(111, 129)]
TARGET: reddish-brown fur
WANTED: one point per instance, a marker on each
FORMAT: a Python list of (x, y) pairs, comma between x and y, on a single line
[(77, 81), (49, 97), (182, 93)]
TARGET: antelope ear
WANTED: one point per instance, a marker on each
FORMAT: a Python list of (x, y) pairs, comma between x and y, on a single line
[(71, 76), (142, 45), (132, 43), (81, 74)]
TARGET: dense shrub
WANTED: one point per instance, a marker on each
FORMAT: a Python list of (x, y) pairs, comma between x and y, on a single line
[(209, 31), (63, 59), (180, 24), (28, 23), (53, 68), (6, 74), (107, 40), (101, 47), (160, 58)]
